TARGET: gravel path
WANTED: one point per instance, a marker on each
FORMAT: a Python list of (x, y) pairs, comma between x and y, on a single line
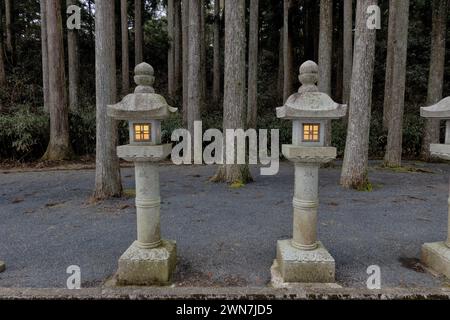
[(226, 237)]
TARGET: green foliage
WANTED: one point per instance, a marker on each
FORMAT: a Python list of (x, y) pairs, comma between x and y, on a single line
[(23, 134)]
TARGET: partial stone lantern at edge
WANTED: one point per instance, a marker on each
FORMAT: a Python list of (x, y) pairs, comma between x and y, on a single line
[(437, 255), (304, 259)]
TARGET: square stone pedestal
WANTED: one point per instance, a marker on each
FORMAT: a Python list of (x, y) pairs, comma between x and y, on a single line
[(437, 257), (146, 267), (299, 266)]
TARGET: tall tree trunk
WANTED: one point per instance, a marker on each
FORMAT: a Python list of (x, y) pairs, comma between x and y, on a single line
[(436, 75), (216, 58), (252, 104), (288, 54), (194, 65), (125, 50), (74, 64), (177, 47), (202, 55), (9, 14), (3, 81), (234, 94), (185, 36), (138, 33), (393, 157), (171, 51), (389, 63), (355, 166), (44, 46), (325, 54), (280, 77), (348, 48), (59, 145), (107, 173)]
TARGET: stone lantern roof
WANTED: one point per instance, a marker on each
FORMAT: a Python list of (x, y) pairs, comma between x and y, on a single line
[(440, 110), (309, 103), (144, 103)]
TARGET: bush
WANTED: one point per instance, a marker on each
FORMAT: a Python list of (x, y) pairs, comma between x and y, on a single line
[(23, 135)]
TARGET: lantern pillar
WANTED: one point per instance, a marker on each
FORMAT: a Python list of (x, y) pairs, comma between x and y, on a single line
[(306, 204), (304, 259), (148, 205)]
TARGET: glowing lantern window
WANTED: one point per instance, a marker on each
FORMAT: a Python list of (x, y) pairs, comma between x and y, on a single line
[(142, 132), (311, 132)]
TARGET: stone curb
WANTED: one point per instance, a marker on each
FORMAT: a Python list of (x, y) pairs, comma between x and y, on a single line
[(160, 293)]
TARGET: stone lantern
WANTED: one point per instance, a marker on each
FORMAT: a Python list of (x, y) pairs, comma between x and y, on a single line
[(304, 259), (437, 255), (150, 260)]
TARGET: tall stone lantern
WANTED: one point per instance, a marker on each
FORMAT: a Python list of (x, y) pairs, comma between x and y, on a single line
[(437, 255), (150, 260), (304, 259)]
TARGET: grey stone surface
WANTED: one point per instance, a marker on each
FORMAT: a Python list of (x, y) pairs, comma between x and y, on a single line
[(225, 236), (437, 257), (309, 154), (440, 110), (441, 151), (144, 103), (144, 153), (309, 103), (155, 266), (313, 266)]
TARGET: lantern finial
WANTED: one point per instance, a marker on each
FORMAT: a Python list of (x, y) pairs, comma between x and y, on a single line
[(309, 76), (144, 78)]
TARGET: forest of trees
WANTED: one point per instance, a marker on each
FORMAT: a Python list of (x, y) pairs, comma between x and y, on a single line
[(228, 63)]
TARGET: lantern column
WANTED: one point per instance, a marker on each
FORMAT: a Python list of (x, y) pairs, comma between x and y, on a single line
[(149, 260), (437, 255), (303, 258)]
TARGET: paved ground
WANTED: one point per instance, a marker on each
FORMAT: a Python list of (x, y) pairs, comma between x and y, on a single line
[(226, 237)]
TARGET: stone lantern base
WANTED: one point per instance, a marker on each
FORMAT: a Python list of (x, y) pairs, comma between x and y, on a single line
[(437, 257), (146, 267), (301, 266)]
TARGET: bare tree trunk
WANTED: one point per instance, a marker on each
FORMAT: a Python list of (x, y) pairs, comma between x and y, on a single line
[(59, 145), (74, 64), (288, 55), (348, 48), (202, 55), (436, 75), (171, 52), (9, 8), (107, 173), (234, 95), (252, 105), (177, 47), (389, 63), (393, 157), (325, 54), (280, 78), (3, 81), (185, 36), (138, 32), (44, 45), (216, 67), (125, 49), (355, 166), (194, 65)]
